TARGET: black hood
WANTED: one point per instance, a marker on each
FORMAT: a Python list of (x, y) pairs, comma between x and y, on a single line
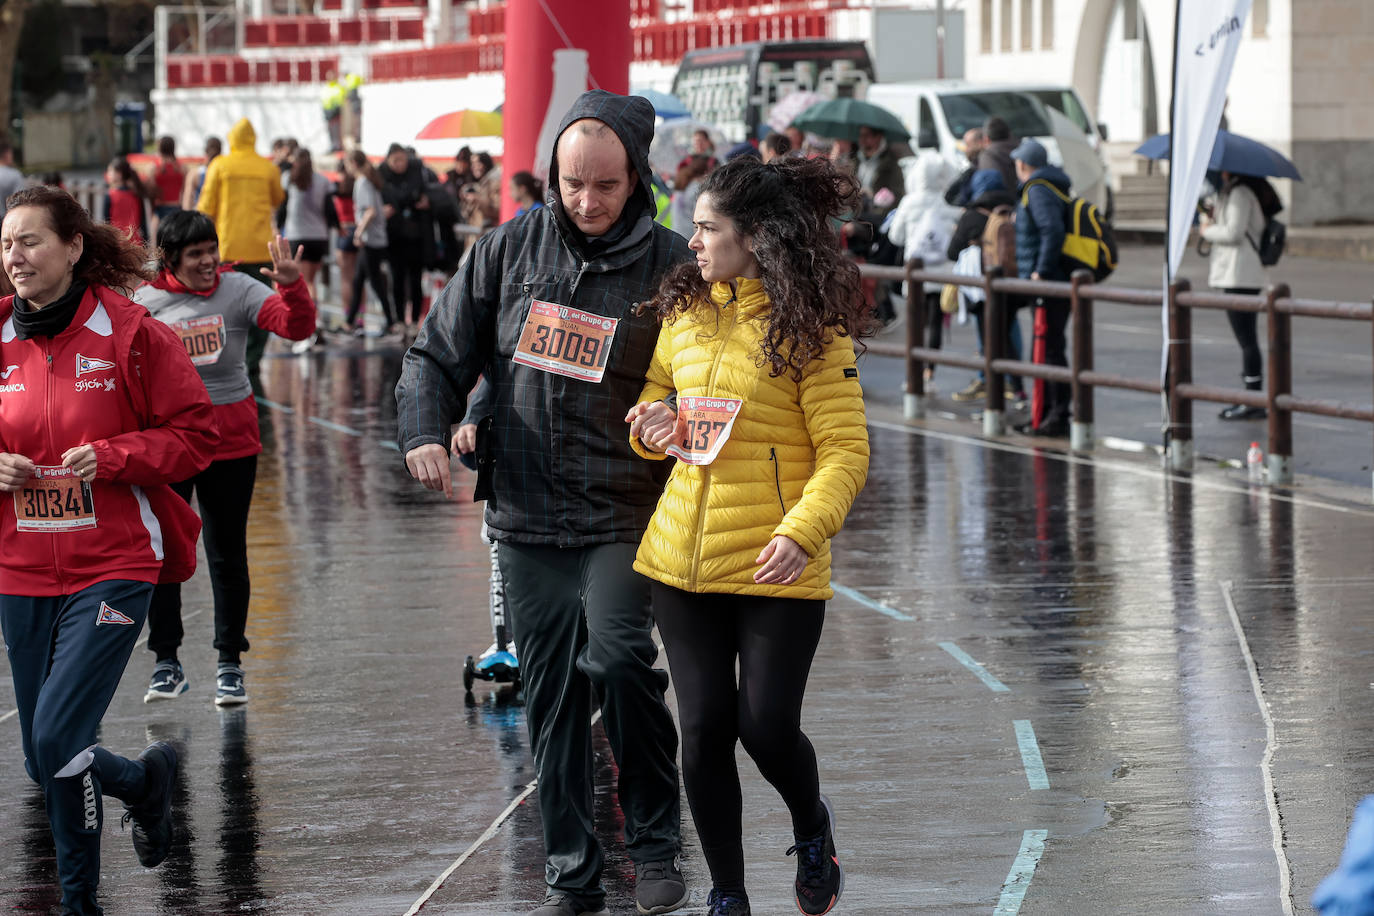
[(632, 119), (995, 198)]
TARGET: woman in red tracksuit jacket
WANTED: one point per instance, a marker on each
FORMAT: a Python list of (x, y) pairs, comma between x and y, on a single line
[(100, 408)]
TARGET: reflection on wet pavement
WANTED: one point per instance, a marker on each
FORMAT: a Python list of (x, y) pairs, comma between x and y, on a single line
[(1099, 596)]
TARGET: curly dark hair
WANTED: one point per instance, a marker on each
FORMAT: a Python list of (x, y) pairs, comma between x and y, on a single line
[(109, 258), (785, 207)]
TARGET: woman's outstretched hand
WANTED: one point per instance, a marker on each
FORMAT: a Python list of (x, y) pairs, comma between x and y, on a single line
[(285, 269)]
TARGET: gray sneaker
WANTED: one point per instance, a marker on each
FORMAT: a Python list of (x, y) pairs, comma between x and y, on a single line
[(659, 887), (167, 683), (229, 686), (558, 903)]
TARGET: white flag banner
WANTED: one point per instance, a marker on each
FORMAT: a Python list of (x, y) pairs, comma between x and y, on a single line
[(1207, 34), (1206, 37)]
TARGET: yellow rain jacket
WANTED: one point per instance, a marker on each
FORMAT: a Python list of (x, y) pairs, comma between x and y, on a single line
[(796, 456), (242, 191)]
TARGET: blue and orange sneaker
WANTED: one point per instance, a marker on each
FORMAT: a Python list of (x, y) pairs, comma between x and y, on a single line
[(820, 879)]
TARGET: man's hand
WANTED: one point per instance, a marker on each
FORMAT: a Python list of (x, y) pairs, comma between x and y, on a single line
[(465, 439), (1035, 275), (422, 203), (81, 459), (656, 425), (783, 561), (285, 269), (15, 470), (429, 465)]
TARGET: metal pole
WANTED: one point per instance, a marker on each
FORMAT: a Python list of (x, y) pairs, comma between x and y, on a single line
[(1180, 372), (914, 401), (1280, 459), (1081, 308), (994, 335), (940, 39)]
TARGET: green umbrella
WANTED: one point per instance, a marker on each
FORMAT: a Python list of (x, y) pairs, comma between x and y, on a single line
[(842, 118)]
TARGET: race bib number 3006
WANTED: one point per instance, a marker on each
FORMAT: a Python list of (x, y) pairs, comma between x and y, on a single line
[(708, 422), (54, 499), (566, 341), (203, 338)]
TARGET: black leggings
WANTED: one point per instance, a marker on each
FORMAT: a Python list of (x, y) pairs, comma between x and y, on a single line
[(224, 491), (1245, 325), (369, 269), (407, 274), (774, 640)]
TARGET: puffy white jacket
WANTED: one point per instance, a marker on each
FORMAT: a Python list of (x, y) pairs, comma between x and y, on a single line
[(1234, 262), (923, 223)]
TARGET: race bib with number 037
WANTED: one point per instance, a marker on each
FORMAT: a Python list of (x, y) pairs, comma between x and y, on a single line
[(566, 341), (54, 499), (708, 422), (203, 338)]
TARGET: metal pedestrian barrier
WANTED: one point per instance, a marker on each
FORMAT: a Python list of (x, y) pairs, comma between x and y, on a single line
[(1276, 303)]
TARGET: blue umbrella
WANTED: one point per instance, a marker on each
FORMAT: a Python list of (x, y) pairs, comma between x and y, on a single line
[(1232, 153), (666, 105)]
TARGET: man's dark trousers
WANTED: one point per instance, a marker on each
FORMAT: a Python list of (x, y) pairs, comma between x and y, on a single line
[(581, 620)]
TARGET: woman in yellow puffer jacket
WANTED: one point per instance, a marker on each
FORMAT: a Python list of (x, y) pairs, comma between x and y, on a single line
[(754, 389)]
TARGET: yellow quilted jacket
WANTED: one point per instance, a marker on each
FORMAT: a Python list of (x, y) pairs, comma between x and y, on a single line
[(796, 457)]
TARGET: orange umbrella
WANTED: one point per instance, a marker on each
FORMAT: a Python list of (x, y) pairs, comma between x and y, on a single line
[(462, 123)]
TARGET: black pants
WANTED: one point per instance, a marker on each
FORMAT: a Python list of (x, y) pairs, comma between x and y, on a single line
[(407, 273), (224, 491), (368, 269), (1245, 325), (581, 619), (774, 640)]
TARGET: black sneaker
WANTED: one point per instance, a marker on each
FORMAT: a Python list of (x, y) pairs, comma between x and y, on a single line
[(152, 817), (167, 683), (229, 690), (718, 904), (820, 879), (558, 903), (659, 887)]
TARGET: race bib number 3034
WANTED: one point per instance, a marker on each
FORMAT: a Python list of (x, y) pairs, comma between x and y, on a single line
[(566, 341), (709, 422), (54, 499)]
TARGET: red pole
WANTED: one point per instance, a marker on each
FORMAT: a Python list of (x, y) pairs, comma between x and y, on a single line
[(601, 28)]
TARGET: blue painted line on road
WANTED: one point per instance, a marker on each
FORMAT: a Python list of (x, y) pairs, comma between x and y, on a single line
[(1030, 755), (982, 673), (338, 428), (1022, 870), (868, 602), (275, 406)]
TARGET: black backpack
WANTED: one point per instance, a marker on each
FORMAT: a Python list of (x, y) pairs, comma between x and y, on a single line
[(1271, 242), (1088, 239), (1269, 246)]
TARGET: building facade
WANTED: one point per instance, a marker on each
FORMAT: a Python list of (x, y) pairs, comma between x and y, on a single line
[(1303, 80)]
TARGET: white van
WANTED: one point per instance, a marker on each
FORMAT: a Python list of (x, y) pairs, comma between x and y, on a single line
[(939, 112)]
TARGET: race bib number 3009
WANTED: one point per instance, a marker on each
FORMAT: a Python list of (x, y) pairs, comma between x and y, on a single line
[(54, 499), (708, 422), (566, 341)]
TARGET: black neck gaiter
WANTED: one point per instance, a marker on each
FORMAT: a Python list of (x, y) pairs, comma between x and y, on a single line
[(52, 319)]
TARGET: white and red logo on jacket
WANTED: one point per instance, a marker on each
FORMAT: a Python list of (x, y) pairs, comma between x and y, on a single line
[(86, 364)]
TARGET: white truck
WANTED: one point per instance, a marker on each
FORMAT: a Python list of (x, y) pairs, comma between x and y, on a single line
[(939, 112)]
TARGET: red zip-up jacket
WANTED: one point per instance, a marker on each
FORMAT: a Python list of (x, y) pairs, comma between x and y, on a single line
[(118, 380)]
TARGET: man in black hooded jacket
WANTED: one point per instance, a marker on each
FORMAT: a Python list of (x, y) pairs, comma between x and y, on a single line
[(545, 309)]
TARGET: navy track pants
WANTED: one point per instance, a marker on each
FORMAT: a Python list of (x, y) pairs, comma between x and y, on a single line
[(67, 654)]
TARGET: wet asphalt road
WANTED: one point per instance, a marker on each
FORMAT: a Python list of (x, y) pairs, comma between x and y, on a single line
[(1031, 697)]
